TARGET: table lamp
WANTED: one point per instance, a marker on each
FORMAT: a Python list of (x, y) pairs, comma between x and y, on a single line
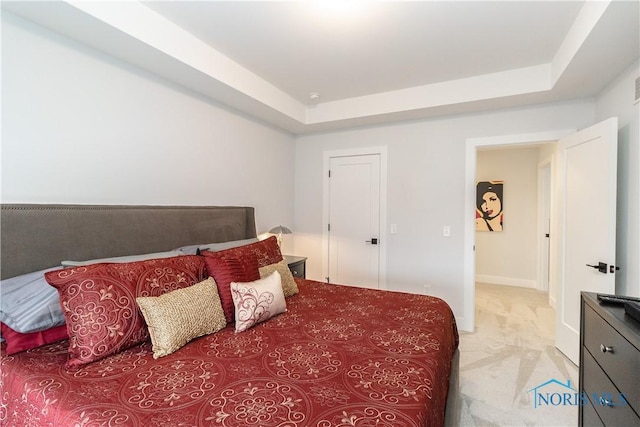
[(280, 230)]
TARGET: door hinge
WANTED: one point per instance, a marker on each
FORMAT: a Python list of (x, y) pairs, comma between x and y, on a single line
[(328, 227), (329, 173)]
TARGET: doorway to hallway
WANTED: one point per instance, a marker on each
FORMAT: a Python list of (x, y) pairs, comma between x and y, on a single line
[(512, 253)]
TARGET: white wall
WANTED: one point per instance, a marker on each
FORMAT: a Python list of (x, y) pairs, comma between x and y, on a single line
[(510, 257), (426, 189), (81, 127), (618, 100)]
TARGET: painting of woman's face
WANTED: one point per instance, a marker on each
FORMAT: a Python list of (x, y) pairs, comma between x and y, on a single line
[(491, 205)]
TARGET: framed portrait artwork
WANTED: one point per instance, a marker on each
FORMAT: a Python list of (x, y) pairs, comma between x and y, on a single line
[(489, 206)]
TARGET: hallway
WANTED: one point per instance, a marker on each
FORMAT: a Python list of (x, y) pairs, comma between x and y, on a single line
[(512, 352)]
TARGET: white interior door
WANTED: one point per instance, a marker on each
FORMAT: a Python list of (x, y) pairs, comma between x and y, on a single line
[(586, 225), (354, 220)]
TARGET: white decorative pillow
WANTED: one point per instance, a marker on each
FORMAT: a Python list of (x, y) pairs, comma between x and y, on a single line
[(177, 317), (123, 259), (257, 301), (289, 286), (215, 247)]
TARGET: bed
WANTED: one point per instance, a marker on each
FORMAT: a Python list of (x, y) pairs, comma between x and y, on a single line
[(338, 355)]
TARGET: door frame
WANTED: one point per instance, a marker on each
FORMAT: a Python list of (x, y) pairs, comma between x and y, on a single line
[(545, 199), (382, 245), (467, 321)]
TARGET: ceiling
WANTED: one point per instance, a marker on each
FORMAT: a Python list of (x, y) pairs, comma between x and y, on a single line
[(368, 61)]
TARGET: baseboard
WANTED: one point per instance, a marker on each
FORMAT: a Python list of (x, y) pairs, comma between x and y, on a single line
[(506, 281), (463, 325)]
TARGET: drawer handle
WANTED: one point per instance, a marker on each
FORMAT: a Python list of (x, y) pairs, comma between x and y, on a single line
[(606, 349), (605, 402)]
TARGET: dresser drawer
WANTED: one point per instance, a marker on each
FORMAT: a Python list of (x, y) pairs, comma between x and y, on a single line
[(589, 416), (297, 265), (617, 357), (597, 386)]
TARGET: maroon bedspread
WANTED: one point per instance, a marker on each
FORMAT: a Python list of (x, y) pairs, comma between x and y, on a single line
[(340, 356)]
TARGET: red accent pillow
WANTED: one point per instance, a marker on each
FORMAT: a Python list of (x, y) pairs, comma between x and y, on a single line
[(227, 269), (17, 342), (99, 301), (265, 252)]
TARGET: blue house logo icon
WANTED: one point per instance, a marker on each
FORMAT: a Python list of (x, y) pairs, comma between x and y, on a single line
[(566, 396)]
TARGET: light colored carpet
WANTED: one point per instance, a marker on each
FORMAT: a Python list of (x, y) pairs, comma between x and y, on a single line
[(511, 352)]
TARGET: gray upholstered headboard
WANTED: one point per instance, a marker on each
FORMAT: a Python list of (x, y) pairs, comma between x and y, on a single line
[(35, 237)]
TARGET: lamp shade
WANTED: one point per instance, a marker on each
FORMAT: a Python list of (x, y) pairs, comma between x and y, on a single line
[(280, 230)]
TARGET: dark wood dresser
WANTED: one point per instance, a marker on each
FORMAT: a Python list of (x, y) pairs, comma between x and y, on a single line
[(609, 365)]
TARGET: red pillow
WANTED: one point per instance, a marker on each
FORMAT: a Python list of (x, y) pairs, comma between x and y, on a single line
[(227, 269), (99, 301), (265, 252), (17, 342)]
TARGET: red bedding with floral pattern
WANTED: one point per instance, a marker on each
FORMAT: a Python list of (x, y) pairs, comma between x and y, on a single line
[(339, 356)]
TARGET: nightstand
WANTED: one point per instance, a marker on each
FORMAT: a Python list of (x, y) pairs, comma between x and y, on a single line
[(297, 265)]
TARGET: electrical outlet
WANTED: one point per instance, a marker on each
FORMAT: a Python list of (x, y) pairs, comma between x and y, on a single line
[(427, 289), (446, 231)]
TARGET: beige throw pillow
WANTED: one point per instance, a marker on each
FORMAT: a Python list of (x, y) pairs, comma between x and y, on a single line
[(177, 317), (289, 286)]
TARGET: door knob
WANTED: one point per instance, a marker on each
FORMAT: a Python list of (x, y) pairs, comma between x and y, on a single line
[(373, 241), (601, 267)]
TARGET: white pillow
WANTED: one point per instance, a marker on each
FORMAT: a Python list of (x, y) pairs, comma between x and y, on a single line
[(29, 304), (215, 247), (257, 301), (123, 259)]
